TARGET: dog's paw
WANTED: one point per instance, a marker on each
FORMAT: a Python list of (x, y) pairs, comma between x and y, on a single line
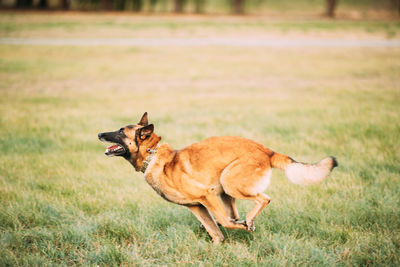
[(250, 226), (217, 240)]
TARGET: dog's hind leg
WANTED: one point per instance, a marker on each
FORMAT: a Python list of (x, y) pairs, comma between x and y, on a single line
[(208, 222), (213, 203), (262, 200), (251, 187), (230, 206)]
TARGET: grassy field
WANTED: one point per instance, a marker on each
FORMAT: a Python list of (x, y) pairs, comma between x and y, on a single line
[(64, 203), (117, 25)]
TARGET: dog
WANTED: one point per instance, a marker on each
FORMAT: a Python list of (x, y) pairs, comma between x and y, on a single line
[(208, 176)]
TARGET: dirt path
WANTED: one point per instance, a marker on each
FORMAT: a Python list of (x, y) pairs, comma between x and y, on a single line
[(230, 42)]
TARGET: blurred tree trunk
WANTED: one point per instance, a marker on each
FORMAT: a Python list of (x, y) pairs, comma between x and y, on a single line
[(24, 3), (178, 5), (395, 4), (200, 6), (64, 4), (330, 8), (120, 5), (238, 6), (106, 4), (137, 5), (153, 3), (43, 4)]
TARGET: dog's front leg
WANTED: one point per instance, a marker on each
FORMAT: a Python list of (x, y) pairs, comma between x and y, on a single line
[(209, 223), (230, 206)]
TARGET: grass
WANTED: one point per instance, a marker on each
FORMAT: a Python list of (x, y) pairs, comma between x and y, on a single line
[(81, 25), (64, 203)]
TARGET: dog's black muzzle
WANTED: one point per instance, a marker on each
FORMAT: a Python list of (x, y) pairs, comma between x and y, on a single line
[(108, 136), (119, 148)]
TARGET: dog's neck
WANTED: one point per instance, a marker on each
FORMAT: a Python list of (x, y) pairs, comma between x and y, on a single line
[(145, 150)]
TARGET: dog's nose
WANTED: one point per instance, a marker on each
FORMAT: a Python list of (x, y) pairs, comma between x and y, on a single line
[(100, 135)]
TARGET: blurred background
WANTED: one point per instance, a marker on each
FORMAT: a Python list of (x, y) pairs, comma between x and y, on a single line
[(353, 8), (308, 78)]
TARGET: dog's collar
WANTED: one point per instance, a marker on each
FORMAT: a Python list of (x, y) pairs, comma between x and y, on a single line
[(146, 162)]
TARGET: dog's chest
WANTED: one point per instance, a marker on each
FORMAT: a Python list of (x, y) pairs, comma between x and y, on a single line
[(156, 179)]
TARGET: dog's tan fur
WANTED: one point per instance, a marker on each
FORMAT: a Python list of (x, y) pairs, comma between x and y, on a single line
[(208, 176)]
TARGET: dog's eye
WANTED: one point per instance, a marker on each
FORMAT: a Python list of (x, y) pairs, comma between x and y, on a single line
[(121, 130)]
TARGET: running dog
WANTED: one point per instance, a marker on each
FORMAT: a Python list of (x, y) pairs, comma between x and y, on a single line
[(208, 176)]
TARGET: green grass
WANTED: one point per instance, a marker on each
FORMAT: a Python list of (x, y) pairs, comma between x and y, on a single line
[(126, 25), (64, 203), (172, 24)]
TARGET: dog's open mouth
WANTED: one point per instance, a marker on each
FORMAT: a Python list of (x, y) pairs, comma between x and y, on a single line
[(115, 150)]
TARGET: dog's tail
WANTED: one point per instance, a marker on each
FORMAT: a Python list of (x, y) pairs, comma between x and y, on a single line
[(303, 173)]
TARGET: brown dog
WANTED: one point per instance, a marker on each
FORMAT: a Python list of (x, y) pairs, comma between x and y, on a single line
[(208, 176)]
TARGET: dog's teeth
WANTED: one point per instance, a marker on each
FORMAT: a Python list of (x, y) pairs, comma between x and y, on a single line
[(112, 150), (114, 147)]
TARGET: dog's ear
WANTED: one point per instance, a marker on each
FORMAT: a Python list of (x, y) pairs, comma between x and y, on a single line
[(146, 131), (143, 121)]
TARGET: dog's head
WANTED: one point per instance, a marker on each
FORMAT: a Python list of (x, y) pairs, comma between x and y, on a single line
[(131, 141)]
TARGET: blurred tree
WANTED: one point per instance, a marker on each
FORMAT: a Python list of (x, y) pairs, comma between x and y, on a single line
[(137, 5), (238, 6), (106, 4), (43, 4), (153, 3), (64, 4), (178, 5), (120, 5), (330, 8), (199, 8), (24, 3), (395, 4)]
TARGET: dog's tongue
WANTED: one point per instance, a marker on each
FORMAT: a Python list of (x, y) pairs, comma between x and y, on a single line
[(113, 147), (114, 150), (111, 150)]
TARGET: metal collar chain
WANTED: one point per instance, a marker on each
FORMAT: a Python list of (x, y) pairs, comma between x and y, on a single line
[(146, 162)]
